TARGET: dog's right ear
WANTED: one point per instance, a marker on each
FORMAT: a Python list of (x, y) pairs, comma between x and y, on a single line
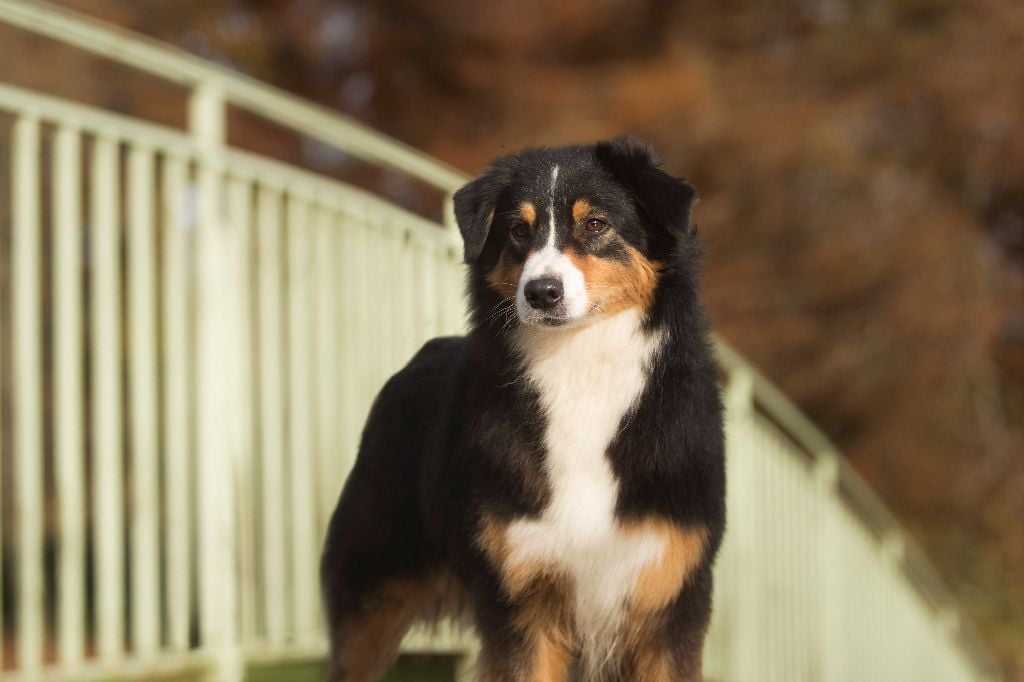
[(474, 206)]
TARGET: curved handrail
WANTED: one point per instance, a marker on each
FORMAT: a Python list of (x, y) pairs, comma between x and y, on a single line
[(129, 49)]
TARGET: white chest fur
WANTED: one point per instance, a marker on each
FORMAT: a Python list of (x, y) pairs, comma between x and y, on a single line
[(588, 379)]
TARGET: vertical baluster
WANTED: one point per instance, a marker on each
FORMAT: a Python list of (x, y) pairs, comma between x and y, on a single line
[(271, 412), (789, 521), (3, 507), (404, 299), (374, 328), (218, 427), (325, 338), (830, 562), (69, 410), (343, 377), (428, 290), (177, 421), (745, 617), (216, 423), (358, 334), (240, 213), (349, 256), (801, 572), (28, 444), (453, 304), (388, 284), (143, 384), (304, 550), (417, 315), (104, 238)]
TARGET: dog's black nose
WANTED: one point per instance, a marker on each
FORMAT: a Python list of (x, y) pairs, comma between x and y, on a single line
[(544, 293)]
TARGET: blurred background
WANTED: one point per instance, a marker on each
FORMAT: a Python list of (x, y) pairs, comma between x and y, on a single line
[(861, 171)]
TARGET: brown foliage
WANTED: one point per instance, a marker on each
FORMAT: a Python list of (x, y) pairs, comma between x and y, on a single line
[(861, 171)]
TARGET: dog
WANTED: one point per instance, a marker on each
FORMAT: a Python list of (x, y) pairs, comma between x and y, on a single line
[(557, 475)]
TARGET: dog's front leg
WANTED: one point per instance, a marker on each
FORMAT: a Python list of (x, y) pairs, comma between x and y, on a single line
[(527, 637)]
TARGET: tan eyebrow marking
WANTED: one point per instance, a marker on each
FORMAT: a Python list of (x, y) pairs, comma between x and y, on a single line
[(580, 209), (528, 212)]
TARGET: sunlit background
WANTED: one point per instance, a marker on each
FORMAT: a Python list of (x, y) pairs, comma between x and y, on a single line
[(861, 171)]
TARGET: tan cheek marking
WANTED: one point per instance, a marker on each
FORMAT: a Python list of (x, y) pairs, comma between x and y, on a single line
[(504, 278), (660, 582), (580, 209), (528, 212), (617, 286)]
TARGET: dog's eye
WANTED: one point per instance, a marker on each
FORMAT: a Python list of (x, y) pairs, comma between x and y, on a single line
[(520, 230), (596, 225)]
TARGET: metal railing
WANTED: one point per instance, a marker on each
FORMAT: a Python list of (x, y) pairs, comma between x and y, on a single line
[(188, 369)]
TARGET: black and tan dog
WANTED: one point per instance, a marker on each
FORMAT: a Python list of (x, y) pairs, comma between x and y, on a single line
[(561, 468)]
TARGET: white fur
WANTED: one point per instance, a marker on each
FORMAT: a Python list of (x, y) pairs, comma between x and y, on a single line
[(588, 377), (550, 262)]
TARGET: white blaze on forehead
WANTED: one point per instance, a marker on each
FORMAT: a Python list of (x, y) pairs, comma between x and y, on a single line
[(550, 262), (551, 207)]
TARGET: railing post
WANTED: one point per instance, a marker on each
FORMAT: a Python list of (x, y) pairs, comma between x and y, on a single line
[(744, 659), (28, 403), (886, 645), (832, 581), (207, 118), (448, 215), (215, 381)]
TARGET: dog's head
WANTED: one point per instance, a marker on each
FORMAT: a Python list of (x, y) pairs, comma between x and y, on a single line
[(573, 233)]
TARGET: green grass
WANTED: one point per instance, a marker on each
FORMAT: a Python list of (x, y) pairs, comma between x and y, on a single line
[(407, 669)]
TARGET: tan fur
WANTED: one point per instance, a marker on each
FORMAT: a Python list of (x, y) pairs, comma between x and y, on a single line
[(543, 612), (504, 278), (580, 209), (552, 660), (528, 212), (365, 645), (543, 598), (547, 656), (516, 578), (659, 583), (545, 617), (615, 286), (653, 664), (648, 656)]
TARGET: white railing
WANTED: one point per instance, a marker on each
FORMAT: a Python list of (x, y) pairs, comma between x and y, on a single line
[(187, 364), (815, 580)]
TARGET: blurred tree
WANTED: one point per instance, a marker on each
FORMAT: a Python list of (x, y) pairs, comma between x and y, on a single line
[(861, 167)]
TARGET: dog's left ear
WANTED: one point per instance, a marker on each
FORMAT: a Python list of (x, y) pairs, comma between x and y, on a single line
[(474, 206), (665, 201)]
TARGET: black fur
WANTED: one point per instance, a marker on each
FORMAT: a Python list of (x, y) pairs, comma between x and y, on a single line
[(457, 434)]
